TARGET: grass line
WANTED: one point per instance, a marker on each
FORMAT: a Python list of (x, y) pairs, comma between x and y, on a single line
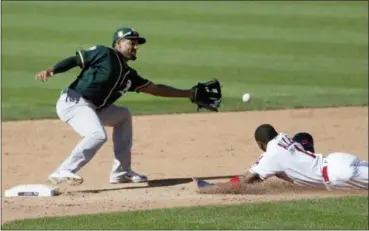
[(334, 213)]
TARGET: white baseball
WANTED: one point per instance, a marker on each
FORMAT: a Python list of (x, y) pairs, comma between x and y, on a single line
[(246, 97)]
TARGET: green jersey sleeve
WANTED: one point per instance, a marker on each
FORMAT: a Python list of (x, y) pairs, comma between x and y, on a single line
[(92, 55), (137, 82)]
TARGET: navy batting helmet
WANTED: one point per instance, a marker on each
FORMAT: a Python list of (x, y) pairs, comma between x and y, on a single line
[(306, 140)]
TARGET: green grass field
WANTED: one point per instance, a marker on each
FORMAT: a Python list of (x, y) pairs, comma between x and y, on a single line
[(305, 54), (287, 54), (343, 213)]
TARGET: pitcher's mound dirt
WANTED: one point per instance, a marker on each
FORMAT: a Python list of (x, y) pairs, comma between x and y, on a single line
[(169, 149)]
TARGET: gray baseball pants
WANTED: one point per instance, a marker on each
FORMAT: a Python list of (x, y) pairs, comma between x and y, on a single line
[(80, 114)]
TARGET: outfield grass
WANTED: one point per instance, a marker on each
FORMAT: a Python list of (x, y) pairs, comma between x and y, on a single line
[(287, 54), (339, 213)]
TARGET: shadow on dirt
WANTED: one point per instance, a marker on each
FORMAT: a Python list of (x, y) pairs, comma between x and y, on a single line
[(272, 187), (150, 184)]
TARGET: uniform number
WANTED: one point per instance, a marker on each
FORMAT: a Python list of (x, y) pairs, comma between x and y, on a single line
[(286, 142)]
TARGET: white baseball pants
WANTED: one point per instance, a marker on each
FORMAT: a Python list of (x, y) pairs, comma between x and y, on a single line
[(80, 114), (345, 170)]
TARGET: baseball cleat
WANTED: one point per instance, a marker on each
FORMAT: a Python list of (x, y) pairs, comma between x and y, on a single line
[(130, 177), (65, 177)]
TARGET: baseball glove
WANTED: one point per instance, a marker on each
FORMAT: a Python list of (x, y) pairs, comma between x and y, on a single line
[(207, 95)]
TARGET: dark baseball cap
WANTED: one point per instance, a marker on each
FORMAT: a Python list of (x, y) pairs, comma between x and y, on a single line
[(127, 33), (306, 140)]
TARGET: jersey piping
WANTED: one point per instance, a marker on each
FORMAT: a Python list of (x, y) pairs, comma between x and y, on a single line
[(116, 83), (82, 61)]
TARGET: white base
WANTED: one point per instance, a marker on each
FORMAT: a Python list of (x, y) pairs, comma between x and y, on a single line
[(38, 190)]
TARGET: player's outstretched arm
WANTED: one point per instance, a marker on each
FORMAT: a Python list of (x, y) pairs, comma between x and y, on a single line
[(236, 184), (206, 95), (62, 66), (166, 91)]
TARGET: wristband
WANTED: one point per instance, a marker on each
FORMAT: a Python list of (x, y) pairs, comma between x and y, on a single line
[(235, 181)]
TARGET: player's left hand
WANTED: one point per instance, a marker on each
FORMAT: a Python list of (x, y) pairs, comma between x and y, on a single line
[(207, 95), (44, 75), (200, 183)]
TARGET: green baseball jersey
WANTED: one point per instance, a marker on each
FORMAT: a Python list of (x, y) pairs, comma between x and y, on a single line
[(105, 77)]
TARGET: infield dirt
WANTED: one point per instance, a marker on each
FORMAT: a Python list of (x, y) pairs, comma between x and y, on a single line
[(170, 149)]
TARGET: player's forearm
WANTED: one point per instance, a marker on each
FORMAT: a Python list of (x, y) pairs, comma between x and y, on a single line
[(167, 91), (236, 184), (66, 64), (284, 177), (249, 178)]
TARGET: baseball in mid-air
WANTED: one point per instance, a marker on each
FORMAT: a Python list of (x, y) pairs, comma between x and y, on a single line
[(246, 97)]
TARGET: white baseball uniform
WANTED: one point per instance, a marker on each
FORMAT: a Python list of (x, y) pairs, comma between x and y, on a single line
[(337, 170)]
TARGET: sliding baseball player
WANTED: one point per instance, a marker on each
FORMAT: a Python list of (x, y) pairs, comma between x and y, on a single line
[(287, 159)]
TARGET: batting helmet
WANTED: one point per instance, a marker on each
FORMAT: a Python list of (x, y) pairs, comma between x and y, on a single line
[(306, 140)]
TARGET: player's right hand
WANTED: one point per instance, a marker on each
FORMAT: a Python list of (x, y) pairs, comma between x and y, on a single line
[(44, 75)]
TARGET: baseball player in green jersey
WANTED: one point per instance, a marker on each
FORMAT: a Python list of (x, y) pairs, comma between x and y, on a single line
[(87, 104)]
